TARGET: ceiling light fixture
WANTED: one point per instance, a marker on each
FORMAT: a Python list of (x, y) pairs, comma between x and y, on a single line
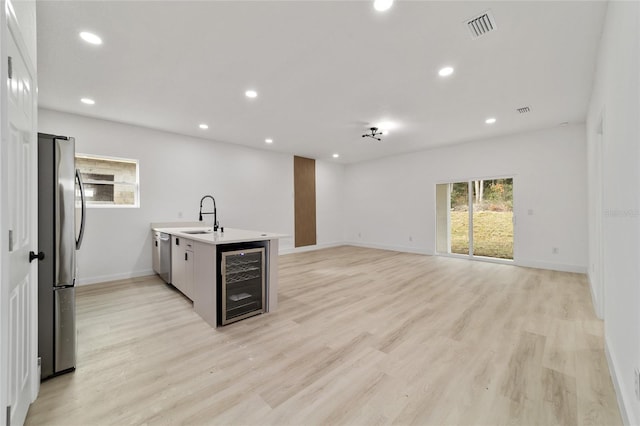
[(336, 155), (490, 120), (374, 133), (87, 101), (382, 5), (90, 38), (203, 126), (268, 140), (251, 94), (445, 72)]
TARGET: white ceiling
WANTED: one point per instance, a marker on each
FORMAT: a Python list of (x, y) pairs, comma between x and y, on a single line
[(325, 71)]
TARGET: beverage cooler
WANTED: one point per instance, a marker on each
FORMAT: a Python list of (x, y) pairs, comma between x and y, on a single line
[(241, 283)]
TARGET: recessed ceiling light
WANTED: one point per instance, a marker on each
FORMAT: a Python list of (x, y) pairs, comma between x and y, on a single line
[(251, 94), (336, 155), (90, 38), (490, 120), (445, 72), (87, 101), (382, 5), (268, 140), (203, 126)]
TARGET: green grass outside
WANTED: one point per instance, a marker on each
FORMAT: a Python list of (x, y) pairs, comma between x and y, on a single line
[(492, 233)]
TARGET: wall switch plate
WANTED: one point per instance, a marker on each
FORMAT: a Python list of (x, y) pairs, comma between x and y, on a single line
[(555, 250), (410, 238)]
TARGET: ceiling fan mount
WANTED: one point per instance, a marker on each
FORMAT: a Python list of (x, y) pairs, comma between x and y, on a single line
[(373, 133)]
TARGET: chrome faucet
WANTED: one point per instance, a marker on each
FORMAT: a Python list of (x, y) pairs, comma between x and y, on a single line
[(215, 215)]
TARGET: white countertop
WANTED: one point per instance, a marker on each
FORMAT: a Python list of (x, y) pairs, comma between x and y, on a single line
[(230, 235)]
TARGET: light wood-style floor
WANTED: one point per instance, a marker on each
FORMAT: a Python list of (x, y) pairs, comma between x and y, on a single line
[(361, 337)]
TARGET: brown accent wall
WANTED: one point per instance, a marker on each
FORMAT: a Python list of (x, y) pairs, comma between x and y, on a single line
[(304, 187)]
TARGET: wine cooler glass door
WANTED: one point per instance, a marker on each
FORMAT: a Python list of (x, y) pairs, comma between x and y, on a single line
[(243, 283)]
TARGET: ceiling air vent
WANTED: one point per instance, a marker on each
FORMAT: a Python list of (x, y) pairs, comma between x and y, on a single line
[(481, 24), (523, 110)]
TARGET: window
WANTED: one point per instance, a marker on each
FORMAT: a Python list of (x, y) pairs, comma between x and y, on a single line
[(108, 181)]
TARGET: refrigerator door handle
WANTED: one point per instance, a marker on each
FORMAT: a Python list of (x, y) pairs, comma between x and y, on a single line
[(84, 208)]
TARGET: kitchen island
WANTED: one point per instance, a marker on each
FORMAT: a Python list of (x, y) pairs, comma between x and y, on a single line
[(195, 262)]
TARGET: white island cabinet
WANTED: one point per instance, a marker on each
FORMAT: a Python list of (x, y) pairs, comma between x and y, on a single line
[(194, 263), (182, 265)]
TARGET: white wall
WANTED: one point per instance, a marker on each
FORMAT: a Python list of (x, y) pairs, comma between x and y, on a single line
[(329, 203), (391, 200), (253, 190), (616, 98), (386, 201)]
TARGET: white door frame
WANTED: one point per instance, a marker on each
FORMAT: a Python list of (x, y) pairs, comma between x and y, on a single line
[(4, 277), (598, 250)]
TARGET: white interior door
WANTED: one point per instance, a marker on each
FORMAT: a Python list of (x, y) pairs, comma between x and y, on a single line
[(19, 191)]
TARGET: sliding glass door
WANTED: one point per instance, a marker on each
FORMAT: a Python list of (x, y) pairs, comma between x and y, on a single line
[(459, 210), (475, 218)]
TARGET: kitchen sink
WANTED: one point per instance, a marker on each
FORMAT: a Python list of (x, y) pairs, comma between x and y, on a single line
[(197, 232)]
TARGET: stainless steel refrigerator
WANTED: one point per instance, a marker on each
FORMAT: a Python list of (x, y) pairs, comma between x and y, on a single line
[(59, 236)]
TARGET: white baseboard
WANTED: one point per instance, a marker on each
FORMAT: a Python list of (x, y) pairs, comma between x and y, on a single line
[(551, 266), (597, 309), (419, 250), (113, 277), (628, 418), (404, 249), (290, 250)]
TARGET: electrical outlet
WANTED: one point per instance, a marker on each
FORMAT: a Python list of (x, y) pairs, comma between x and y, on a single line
[(410, 238), (636, 380), (555, 250), (359, 235), (179, 214)]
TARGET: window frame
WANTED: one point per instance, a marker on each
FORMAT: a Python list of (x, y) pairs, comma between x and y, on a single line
[(136, 185)]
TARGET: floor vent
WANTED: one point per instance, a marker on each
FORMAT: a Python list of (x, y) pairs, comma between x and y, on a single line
[(481, 24), (523, 110)]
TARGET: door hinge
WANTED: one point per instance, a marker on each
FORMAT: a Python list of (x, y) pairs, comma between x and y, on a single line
[(10, 68), (10, 240), (8, 415)]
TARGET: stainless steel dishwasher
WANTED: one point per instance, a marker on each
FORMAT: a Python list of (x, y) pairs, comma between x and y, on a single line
[(155, 252), (165, 257)]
